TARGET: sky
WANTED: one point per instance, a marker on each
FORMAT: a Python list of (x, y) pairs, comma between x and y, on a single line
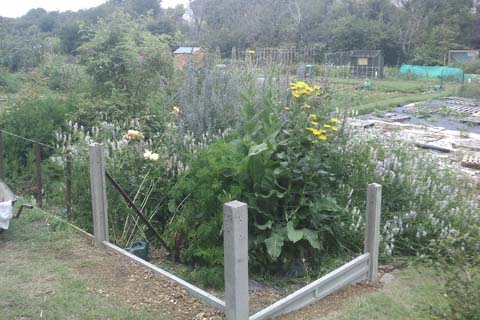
[(17, 8)]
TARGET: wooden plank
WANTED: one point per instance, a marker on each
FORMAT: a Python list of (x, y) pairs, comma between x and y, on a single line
[(348, 274), (471, 160), (235, 243), (433, 147), (474, 120), (198, 293)]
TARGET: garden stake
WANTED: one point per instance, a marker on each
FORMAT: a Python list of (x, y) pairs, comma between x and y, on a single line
[(130, 204)]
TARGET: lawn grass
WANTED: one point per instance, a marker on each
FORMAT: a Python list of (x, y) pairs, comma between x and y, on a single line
[(415, 294), (38, 280)]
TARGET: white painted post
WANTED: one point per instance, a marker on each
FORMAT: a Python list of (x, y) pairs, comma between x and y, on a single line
[(372, 228), (235, 244), (99, 193)]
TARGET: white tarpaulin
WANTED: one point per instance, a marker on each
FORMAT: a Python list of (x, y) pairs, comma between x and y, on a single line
[(6, 213)]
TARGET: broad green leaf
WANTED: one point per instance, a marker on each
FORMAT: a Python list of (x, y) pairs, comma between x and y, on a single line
[(256, 169), (312, 237), (259, 148), (265, 226), (294, 235), (274, 245)]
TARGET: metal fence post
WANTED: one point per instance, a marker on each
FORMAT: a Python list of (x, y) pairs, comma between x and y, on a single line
[(372, 228), (99, 193), (235, 241)]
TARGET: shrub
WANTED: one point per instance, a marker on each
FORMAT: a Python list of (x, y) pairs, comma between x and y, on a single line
[(306, 197)]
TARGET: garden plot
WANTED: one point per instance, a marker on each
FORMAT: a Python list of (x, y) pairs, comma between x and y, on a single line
[(452, 113), (460, 147)]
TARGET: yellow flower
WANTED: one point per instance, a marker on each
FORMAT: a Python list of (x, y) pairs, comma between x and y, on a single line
[(316, 87), (314, 123), (334, 120), (322, 137), (296, 94), (307, 106), (334, 128), (327, 126), (313, 117), (286, 108), (312, 130), (133, 135)]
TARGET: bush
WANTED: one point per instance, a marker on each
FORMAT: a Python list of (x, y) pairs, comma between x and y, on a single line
[(307, 197), (34, 117)]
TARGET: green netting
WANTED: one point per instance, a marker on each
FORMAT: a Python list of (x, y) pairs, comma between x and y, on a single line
[(445, 73)]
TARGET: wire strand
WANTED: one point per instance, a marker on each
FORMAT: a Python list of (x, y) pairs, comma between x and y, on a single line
[(30, 140)]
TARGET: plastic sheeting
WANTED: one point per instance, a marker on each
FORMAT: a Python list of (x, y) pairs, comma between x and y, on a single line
[(445, 73), (6, 213)]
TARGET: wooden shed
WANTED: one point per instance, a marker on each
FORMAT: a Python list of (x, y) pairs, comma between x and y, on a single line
[(366, 64), (184, 56)]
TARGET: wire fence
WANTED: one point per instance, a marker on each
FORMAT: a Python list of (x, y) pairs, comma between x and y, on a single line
[(50, 176)]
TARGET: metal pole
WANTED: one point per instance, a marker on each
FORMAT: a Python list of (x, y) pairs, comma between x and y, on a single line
[(132, 205), (38, 168)]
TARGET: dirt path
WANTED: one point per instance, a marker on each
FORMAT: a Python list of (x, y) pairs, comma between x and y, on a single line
[(49, 271), (57, 274)]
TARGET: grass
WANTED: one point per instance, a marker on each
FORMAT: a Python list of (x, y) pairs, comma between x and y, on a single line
[(389, 103), (388, 94), (415, 294), (39, 279)]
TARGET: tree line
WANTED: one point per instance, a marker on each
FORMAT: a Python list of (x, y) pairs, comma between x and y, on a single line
[(412, 31)]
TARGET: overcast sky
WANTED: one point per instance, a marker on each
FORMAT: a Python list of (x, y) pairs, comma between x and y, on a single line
[(17, 8)]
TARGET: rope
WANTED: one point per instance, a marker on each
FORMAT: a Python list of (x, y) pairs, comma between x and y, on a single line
[(30, 140)]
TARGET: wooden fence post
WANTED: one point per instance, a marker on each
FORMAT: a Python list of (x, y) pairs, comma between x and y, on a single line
[(38, 169), (235, 242), (99, 193), (1, 155), (372, 228), (68, 182)]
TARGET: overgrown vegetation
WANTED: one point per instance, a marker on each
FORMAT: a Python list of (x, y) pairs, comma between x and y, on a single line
[(183, 142)]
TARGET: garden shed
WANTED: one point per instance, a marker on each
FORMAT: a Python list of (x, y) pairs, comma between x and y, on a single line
[(462, 56), (366, 64), (186, 55)]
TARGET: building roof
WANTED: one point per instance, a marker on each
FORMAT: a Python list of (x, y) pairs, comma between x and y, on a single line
[(187, 50), (365, 53)]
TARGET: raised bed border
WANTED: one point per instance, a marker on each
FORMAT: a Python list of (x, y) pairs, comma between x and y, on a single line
[(236, 305)]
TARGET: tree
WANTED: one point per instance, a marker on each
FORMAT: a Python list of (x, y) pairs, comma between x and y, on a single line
[(123, 57)]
